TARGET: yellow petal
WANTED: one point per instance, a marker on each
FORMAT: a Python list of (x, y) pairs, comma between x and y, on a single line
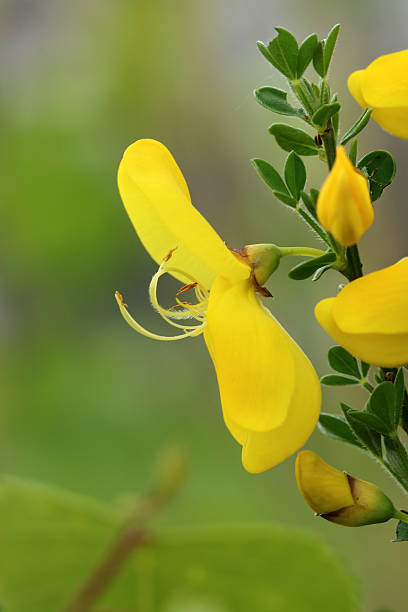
[(323, 487), (262, 451), (252, 354), (354, 85), (156, 198), (384, 82), (394, 120), (387, 350)]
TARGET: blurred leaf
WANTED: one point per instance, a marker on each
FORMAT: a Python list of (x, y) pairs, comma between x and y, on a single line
[(364, 368), (382, 404), (380, 169), (341, 361), (286, 199), (371, 439), (337, 428), (324, 113), (308, 202), (271, 176), (401, 534), (353, 152), (399, 389), (283, 52), (307, 268), (293, 139), (276, 100), (295, 175), (305, 55), (357, 126), (337, 381)]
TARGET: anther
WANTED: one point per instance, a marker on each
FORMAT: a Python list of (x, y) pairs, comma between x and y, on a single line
[(169, 254), (186, 288), (120, 298)]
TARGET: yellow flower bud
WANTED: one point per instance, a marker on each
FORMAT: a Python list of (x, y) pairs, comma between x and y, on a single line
[(383, 86), (369, 316), (338, 497), (344, 206)]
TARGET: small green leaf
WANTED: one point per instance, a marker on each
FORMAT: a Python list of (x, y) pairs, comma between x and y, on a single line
[(264, 50), (353, 152), (364, 368), (371, 439), (307, 268), (305, 55), (319, 273), (269, 175), (308, 202), (379, 166), (293, 139), (314, 194), (295, 175), (401, 534), (357, 126), (335, 119), (276, 100), (337, 428), (333, 380), (371, 420), (330, 44), (399, 388), (341, 361), (318, 59), (382, 405), (286, 199), (284, 53), (324, 113)]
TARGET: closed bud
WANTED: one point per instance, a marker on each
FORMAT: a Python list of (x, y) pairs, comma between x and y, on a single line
[(344, 206), (263, 259), (338, 497)]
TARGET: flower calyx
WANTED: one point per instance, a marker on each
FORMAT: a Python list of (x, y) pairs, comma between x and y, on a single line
[(263, 260)]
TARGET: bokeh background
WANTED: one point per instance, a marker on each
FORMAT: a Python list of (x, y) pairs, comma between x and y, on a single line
[(86, 403)]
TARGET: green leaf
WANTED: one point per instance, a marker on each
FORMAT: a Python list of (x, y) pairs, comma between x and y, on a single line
[(283, 52), (308, 202), (371, 420), (401, 534), (382, 405), (307, 268), (318, 59), (357, 126), (371, 439), (335, 119), (293, 139), (399, 388), (286, 199), (333, 380), (353, 152), (341, 361), (319, 273), (295, 175), (264, 50), (365, 367), (337, 428), (271, 176), (379, 166), (330, 44), (324, 113), (314, 194), (276, 100), (305, 55)]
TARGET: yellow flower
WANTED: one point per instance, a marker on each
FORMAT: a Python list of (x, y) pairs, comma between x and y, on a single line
[(344, 206), (369, 317), (338, 497), (269, 391), (383, 86)]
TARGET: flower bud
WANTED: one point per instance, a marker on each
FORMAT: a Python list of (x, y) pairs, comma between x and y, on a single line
[(383, 86), (344, 206), (338, 497), (263, 259)]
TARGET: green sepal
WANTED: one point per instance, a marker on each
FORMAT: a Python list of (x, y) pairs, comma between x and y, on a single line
[(271, 176), (370, 438), (358, 126), (324, 113), (382, 405), (283, 53), (333, 380), (337, 428), (379, 167), (308, 268), (341, 361), (353, 152), (276, 100), (286, 199), (293, 139), (401, 533), (295, 174), (305, 55), (308, 202)]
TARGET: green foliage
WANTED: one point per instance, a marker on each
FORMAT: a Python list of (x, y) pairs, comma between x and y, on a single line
[(309, 203), (324, 52), (379, 167), (401, 534), (353, 152), (295, 175), (341, 361), (370, 438), (224, 569), (308, 268), (382, 405), (324, 113), (271, 176), (337, 428), (357, 127), (306, 52), (276, 100), (293, 139), (333, 380), (282, 52)]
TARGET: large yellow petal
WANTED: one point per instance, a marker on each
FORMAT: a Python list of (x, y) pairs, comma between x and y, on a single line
[(375, 303), (354, 85), (394, 120), (262, 451), (386, 350), (252, 354), (156, 198), (384, 82)]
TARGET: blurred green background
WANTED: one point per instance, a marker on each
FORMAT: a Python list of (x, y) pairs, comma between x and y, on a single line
[(86, 402)]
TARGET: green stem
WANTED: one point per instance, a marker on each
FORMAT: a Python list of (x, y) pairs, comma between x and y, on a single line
[(315, 227), (355, 268), (401, 516), (300, 251)]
